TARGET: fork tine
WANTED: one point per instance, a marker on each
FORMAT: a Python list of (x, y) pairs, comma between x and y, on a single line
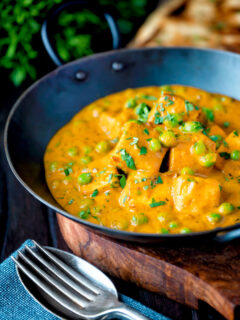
[(66, 303), (77, 276), (72, 296), (58, 273)]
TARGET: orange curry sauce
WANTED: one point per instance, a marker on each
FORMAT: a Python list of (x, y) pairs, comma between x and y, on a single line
[(154, 159)]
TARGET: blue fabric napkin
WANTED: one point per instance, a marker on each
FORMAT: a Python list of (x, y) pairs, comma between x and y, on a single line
[(17, 304)]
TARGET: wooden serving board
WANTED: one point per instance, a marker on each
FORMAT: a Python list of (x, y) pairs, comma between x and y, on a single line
[(209, 273)]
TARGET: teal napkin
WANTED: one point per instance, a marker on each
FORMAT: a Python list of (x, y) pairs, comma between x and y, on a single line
[(17, 304)]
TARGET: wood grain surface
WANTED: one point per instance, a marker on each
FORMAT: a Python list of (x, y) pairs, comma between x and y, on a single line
[(209, 272)]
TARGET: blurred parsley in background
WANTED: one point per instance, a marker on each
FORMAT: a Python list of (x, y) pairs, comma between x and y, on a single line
[(20, 24)]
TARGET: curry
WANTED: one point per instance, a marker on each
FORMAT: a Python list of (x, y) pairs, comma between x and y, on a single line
[(153, 160)]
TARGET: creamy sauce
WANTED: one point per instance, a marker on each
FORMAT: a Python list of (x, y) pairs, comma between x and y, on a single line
[(154, 159)]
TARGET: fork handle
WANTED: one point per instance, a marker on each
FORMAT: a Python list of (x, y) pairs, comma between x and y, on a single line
[(128, 313)]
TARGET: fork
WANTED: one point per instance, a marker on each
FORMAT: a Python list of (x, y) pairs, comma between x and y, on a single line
[(72, 285)]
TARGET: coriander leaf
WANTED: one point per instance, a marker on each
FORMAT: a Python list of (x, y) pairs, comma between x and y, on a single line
[(143, 151), (123, 181), (135, 141), (157, 204), (188, 106), (128, 159), (146, 131), (159, 180), (142, 110), (209, 114), (95, 193)]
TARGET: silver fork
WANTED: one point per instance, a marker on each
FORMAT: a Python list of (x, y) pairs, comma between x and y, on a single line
[(71, 285)]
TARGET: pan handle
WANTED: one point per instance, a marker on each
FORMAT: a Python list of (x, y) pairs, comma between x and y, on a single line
[(47, 26), (225, 237)]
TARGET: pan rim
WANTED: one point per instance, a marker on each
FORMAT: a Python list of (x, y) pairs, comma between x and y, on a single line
[(120, 234)]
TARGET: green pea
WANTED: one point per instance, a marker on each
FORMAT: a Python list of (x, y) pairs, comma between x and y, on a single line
[(139, 219), (131, 103), (87, 150), (53, 166), (187, 170), (72, 152), (174, 120), (168, 138), (86, 203), (214, 217), (155, 145), (185, 230), (84, 214), (86, 160), (218, 107), (226, 208), (235, 155), (84, 178), (164, 231), (199, 148), (173, 224), (208, 160), (103, 146), (192, 126)]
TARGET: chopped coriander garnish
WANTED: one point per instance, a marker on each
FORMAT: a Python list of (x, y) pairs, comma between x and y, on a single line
[(135, 141), (107, 193), (95, 193), (157, 118), (67, 172), (136, 181), (122, 181), (156, 204), (71, 201), (226, 124), (143, 151), (146, 131), (225, 144), (235, 133), (84, 214), (142, 110), (145, 187), (159, 180), (128, 159), (149, 139), (220, 187), (152, 184), (131, 103), (209, 114), (188, 106), (144, 179)]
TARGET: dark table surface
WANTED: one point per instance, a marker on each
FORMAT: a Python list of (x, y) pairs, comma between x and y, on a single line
[(23, 217)]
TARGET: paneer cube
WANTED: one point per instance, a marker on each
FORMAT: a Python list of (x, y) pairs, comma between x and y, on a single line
[(132, 152), (195, 194), (112, 124), (142, 187), (103, 177), (183, 155)]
